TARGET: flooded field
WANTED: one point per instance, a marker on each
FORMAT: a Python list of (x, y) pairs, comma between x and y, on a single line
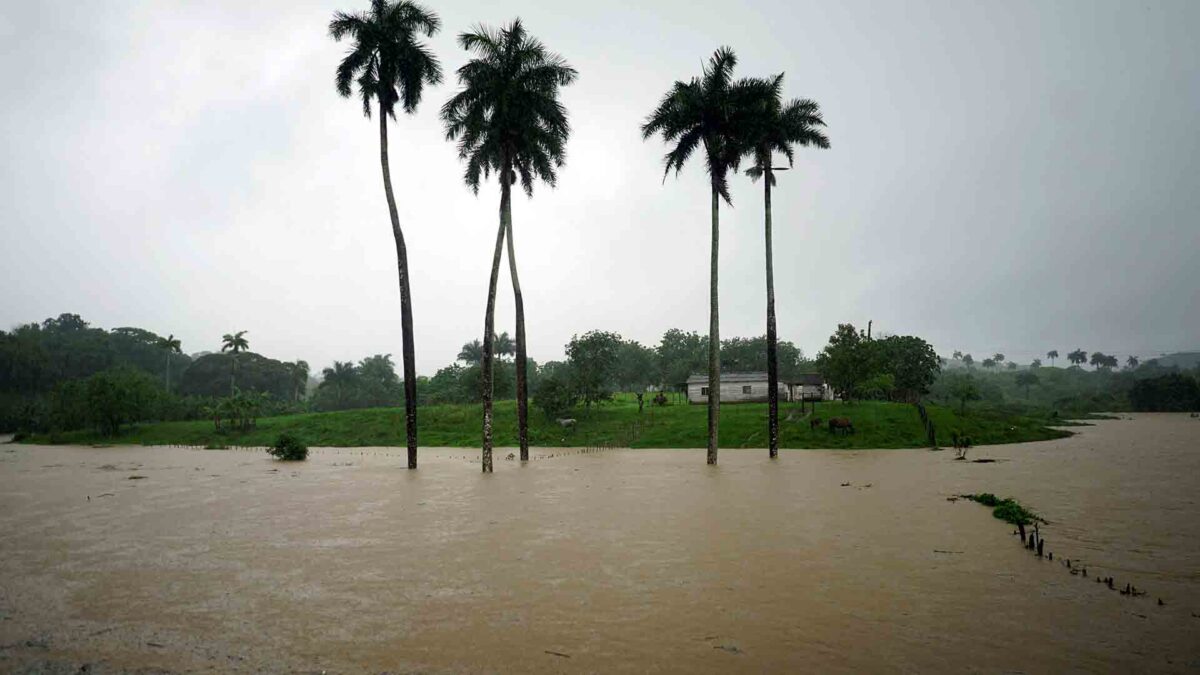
[(132, 558)]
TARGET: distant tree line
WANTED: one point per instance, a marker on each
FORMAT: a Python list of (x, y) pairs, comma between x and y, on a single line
[(65, 374), (1138, 386)]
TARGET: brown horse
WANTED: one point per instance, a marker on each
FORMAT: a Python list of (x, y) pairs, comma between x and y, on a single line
[(841, 424), (814, 424)]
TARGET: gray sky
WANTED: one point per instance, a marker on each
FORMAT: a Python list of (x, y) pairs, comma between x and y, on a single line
[(1005, 176)]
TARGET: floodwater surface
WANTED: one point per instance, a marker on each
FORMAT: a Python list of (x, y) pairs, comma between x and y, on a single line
[(131, 558)]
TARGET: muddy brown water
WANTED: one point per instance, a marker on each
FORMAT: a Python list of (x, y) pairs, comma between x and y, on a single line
[(629, 560)]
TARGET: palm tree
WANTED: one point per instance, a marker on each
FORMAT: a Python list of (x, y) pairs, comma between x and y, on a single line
[(777, 128), (341, 375), (234, 343), (1052, 354), (507, 119), (172, 346), (715, 111), (299, 372), (471, 353), (504, 343), (390, 65), (1132, 363)]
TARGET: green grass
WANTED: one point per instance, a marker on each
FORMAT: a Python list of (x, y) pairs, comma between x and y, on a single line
[(877, 425)]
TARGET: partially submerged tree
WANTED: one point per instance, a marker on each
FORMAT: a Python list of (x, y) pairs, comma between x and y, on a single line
[(714, 112), (390, 65), (776, 128), (507, 119)]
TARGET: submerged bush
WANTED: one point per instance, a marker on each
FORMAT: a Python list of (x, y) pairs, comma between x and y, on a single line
[(288, 447), (1008, 509)]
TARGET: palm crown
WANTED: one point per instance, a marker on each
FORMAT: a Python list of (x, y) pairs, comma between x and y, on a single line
[(713, 110), (386, 60), (170, 343), (777, 128), (507, 119), (235, 342)]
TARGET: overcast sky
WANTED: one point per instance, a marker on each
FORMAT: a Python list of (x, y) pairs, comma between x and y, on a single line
[(1004, 176)]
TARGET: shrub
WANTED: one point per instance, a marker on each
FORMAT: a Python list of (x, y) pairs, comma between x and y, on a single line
[(288, 447), (1008, 509)]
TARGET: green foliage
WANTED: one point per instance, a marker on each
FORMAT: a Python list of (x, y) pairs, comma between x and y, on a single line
[(386, 60), (507, 118), (1026, 379), (593, 358), (679, 355), (239, 412), (713, 112), (117, 397), (289, 448), (1008, 509), (877, 425), (636, 367), (369, 384), (209, 375), (1169, 393), (856, 365), (556, 392), (750, 354), (960, 387)]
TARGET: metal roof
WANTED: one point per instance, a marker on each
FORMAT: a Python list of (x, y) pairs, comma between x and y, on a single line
[(808, 379)]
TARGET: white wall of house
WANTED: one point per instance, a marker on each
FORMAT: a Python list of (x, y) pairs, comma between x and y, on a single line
[(811, 392), (736, 392)]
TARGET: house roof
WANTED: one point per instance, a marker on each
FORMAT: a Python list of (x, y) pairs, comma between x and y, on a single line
[(702, 378), (807, 379)]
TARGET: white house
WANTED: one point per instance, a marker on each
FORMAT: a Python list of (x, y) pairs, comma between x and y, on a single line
[(752, 387)]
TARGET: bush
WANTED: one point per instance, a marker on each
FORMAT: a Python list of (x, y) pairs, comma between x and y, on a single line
[(289, 448)]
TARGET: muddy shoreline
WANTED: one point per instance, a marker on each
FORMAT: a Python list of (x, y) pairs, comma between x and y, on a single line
[(627, 561)]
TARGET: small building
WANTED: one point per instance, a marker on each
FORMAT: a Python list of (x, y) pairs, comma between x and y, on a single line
[(809, 387), (753, 388)]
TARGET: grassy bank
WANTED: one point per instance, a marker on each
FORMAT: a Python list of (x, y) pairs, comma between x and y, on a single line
[(877, 425)]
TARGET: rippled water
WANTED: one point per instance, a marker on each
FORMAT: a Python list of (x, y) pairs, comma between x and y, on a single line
[(599, 562)]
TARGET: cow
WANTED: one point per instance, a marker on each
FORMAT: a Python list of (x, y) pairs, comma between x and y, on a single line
[(842, 424), (566, 422), (814, 424)]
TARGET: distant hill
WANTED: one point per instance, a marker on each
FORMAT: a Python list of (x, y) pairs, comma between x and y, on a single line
[(1181, 360)]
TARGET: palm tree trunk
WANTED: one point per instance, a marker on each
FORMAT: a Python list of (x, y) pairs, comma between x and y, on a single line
[(406, 322), (714, 337), (772, 347), (522, 381), (168, 372), (489, 320)]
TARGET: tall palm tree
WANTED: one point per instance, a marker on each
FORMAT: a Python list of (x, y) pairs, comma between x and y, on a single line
[(299, 372), (1052, 354), (715, 111), (777, 129), (234, 343), (171, 345), (340, 376), (471, 353), (507, 119), (390, 65), (504, 344)]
